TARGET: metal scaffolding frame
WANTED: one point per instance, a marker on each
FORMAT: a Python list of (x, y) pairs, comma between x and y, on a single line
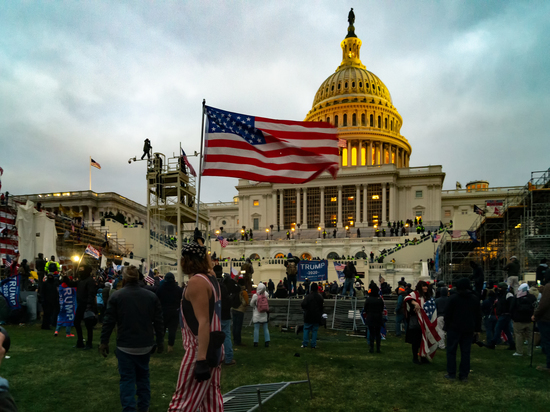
[(522, 230), (171, 197)]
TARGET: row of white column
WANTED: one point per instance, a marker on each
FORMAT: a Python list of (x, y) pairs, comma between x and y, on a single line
[(380, 150), (363, 223)]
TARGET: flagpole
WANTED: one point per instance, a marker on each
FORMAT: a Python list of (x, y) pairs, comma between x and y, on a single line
[(200, 165), (90, 164)]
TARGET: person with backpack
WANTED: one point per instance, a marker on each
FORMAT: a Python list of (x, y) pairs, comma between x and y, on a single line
[(292, 273), (260, 314), (522, 308)]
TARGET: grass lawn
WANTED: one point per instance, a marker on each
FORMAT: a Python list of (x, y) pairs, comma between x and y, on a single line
[(47, 374)]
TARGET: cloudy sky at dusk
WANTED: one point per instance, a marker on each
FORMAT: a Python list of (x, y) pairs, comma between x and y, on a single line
[(471, 80)]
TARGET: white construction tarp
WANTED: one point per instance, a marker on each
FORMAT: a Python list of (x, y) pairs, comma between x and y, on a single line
[(25, 231), (36, 232), (46, 235)]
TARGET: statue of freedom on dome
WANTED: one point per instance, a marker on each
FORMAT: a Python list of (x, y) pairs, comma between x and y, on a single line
[(351, 17)]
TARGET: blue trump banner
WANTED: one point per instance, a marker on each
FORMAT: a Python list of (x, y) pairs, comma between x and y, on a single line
[(67, 306), (314, 270), (10, 288)]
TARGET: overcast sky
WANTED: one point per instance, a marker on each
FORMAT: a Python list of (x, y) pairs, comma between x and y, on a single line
[(471, 80)]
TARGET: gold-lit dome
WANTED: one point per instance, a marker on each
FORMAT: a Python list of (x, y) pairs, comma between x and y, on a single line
[(360, 105)]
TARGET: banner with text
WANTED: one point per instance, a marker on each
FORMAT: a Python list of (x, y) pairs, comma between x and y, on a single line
[(67, 306), (314, 270), (10, 289)]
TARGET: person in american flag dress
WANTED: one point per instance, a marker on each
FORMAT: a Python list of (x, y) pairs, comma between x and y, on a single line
[(422, 321)]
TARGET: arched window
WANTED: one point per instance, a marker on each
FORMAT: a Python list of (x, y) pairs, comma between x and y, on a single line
[(363, 156), (379, 122), (371, 120), (344, 156), (336, 120), (339, 86), (366, 84), (279, 256), (386, 123), (363, 120), (328, 119), (360, 84), (306, 256), (354, 156), (353, 84), (391, 125), (333, 255), (345, 85), (354, 119), (345, 123)]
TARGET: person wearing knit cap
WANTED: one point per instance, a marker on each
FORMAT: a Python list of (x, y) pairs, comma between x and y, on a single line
[(513, 269), (198, 386), (260, 318), (522, 308), (462, 321), (137, 315)]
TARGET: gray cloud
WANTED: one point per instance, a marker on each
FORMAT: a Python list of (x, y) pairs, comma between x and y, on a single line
[(95, 79)]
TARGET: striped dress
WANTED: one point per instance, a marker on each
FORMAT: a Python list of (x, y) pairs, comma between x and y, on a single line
[(191, 395)]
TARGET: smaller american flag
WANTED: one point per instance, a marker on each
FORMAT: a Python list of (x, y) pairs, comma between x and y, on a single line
[(223, 242), (149, 280), (191, 169), (342, 143), (8, 262), (94, 164), (90, 250), (429, 308)]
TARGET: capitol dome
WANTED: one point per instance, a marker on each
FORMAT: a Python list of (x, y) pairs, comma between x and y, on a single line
[(357, 102)]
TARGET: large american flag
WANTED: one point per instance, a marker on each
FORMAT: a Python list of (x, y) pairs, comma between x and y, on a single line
[(428, 322), (267, 150), (223, 242)]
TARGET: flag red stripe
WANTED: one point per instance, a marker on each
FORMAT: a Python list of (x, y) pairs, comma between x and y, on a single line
[(292, 166), (324, 125), (241, 174), (287, 151), (7, 220)]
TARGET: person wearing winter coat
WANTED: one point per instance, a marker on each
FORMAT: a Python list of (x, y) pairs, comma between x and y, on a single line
[(502, 310), (260, 318), (49, 296), (374, 313), (313, 315), (542, 317), (522, 308), (238, 314), (543, 274), (169, 294)]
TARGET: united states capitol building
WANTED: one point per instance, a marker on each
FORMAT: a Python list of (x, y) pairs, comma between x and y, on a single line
[(375, 185)]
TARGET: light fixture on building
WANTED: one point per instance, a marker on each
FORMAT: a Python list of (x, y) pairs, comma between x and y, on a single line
[(376, 197)]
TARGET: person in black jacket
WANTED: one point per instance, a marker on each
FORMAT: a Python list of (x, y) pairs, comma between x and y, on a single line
[(137, 314), (349, 272), (313, 315), (522, 308), (40, 266), (502, 309), (478, 277), (374, 314), (228, 287), (85, 302), (169, 294), (462, 320), (49, 298)]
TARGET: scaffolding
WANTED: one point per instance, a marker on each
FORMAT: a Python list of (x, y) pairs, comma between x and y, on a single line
[(171, 198), (521, 229)]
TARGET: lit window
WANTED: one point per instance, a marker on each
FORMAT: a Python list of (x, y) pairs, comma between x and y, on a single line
[(419, 193), (354, 156), (333, 199), (344, 157), (447, 213), (363, 156), (376, 197), (256, 203), (350, 198), (375, 217)]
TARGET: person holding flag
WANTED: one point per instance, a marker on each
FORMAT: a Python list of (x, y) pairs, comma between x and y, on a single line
[(422, 321)]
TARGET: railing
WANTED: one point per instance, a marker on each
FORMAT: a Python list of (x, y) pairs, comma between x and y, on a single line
[(505, 190)]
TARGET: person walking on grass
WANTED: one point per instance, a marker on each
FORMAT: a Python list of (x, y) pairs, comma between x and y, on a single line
[(137, 315), (169, 294), (522, 308), (313, 314), (502, 309), (260, 315), (374, 313), (198, 386), (238, 314), (441, 305), (462, 321), (542, 317)]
